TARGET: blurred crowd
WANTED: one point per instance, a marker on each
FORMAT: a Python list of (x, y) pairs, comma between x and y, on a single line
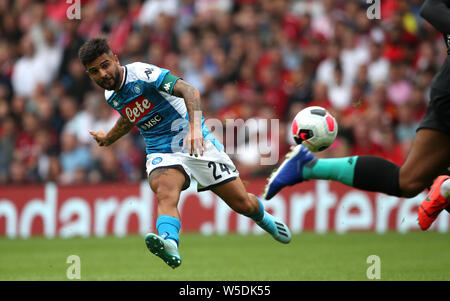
[(249, 59)]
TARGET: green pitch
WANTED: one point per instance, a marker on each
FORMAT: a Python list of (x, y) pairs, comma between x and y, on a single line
[(413, 256)]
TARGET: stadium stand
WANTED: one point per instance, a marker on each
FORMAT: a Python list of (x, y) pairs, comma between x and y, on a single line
[(250, 59)]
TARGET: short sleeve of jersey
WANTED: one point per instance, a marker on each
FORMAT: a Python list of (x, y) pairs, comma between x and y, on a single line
[(168, 83), (157, 77)]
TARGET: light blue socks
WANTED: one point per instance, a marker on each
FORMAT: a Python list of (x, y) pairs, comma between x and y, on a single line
[(168, 228)]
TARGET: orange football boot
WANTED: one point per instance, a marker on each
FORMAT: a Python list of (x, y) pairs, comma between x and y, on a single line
[(433, 204)]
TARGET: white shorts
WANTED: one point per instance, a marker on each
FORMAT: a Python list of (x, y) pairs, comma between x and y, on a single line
[(213, 168)]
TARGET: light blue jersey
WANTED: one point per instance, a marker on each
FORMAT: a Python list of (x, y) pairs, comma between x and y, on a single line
[(145, 99)]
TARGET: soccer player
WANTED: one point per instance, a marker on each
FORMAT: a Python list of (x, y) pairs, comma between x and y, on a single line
[(428, 158), (167, 112)]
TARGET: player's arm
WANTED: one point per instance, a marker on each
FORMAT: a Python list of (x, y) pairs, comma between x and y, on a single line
[(122, 127), (437, 12), (194, 140)]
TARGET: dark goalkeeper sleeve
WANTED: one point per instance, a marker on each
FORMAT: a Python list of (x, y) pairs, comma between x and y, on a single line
[(437, 12)]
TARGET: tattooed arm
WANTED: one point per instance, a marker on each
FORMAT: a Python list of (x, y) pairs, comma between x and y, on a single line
[(191, 98), (194, 140), (121, 127)]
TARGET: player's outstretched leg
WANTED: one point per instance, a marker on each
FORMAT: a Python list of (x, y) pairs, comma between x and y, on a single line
[(272, 225), (369, 173), (235, 195), (437, 199), (289, 172)]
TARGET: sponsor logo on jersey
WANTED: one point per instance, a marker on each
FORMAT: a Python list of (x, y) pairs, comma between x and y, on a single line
[(167, 87), (137, 89), (148, 71), (150, 122), (137, 109), (157, 160)]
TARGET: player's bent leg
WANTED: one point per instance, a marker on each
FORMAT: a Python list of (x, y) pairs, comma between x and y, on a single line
[(166, 183), (428, 158), (235, 195), (272, 225), (437, 200)]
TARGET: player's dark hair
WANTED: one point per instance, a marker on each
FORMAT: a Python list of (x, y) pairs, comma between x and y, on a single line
[(92, 49)]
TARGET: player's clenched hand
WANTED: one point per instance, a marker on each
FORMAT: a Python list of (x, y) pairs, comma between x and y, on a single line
[(100, 137), (194, 141)]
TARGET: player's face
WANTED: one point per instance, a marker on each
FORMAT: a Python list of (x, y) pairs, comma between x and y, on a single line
[(105, 71)]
